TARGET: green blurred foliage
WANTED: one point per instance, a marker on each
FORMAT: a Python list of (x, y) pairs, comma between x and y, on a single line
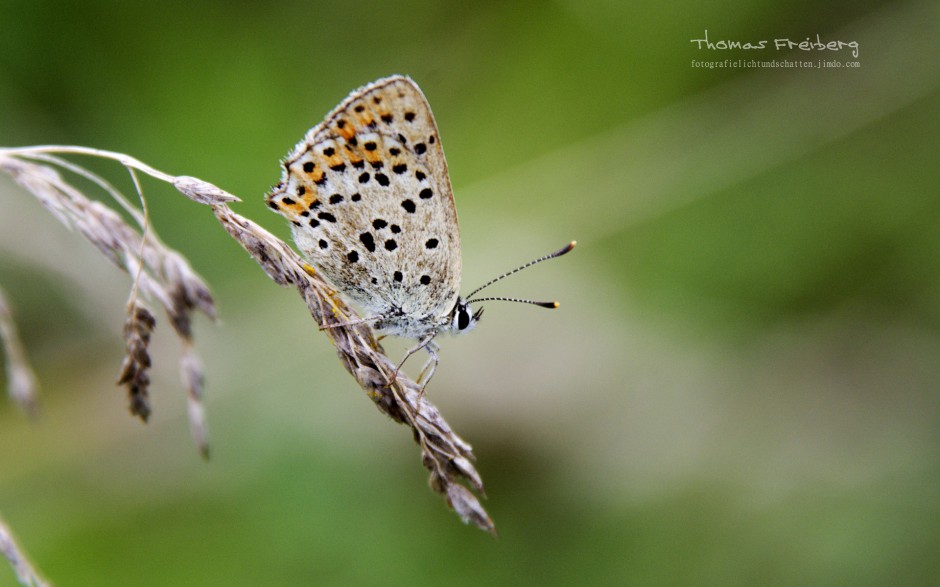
[(741, 386)]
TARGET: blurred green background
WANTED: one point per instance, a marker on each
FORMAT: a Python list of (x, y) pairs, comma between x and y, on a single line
[(741, 384)]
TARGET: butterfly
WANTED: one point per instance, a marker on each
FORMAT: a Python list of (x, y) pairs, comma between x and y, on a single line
[(371, 207)]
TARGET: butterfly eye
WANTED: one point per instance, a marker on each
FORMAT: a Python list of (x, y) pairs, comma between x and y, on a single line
[(463, 317)]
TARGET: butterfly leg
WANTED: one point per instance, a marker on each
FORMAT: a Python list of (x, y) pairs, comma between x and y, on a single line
[(352, 322), (424, 343), (431, 363)]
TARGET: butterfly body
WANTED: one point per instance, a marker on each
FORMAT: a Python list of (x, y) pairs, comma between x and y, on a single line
[(371, 207)]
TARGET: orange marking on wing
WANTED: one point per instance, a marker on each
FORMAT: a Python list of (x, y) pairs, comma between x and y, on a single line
[(365, 118), (310, 194), (373, 156), (336, 159), (317, 174), (345, 130), (353, 152)]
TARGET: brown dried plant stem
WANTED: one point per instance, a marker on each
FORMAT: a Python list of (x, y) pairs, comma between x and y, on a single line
[(161, 275), (21, 381), (164, 277), (17, 559), (444, 454)]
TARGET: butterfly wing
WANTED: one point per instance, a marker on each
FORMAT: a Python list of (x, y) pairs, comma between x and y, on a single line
[(371, 206)]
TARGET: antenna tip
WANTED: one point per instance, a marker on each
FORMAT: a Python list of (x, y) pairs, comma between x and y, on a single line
[(564, 250), (550, 305)]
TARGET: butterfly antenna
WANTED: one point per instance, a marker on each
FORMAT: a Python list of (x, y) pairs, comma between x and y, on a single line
[(567, 248), (501, 299)]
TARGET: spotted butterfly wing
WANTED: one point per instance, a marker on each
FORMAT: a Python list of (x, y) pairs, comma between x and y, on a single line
[(371, 206)]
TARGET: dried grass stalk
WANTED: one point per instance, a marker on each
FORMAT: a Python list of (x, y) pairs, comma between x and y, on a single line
[(21, 381), (17, 559), (191, 375), (447, 456), (136, 366), (163, 276)]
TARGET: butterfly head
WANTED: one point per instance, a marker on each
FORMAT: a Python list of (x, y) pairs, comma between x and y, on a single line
[(463, 318)]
